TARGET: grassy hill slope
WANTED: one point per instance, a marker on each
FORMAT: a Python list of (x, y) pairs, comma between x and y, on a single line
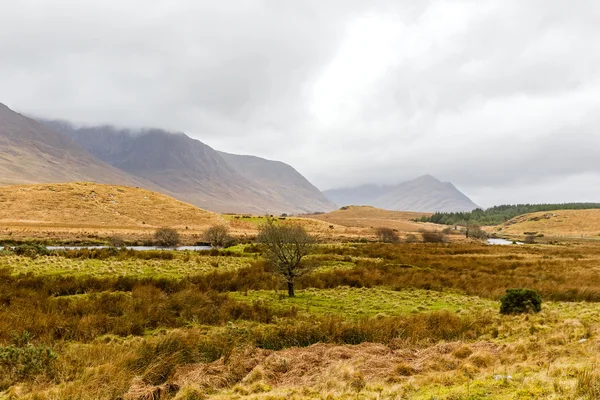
[(367, 217), (97, 205), (566, 223)]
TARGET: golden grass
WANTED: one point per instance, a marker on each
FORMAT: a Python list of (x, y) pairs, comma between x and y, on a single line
[(371, 217), (560, 223), (84, 204)]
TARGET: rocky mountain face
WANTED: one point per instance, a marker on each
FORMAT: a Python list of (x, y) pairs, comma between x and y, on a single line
[(424, 194), (191, 171), (32, 153)]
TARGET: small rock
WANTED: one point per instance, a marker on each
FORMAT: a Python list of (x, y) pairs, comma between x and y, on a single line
[(582, 340), (503, 377)]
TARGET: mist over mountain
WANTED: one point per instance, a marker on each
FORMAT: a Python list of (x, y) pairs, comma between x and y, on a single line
[(191, 171), (424, 194), (32, 153)]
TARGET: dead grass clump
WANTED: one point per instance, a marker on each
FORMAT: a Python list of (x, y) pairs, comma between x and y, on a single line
[(482, 359), (404, 369), (462, 352), (588, 383)]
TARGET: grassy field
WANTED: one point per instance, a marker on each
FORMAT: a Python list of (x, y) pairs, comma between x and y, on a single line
[(374, 321), (371, 217), (556, 224)]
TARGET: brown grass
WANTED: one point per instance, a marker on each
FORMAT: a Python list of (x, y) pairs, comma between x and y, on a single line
[(84, 211), (370, 218), (561, 224)]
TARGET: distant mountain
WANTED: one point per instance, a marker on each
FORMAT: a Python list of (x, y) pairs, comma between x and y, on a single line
[(280, 178), (424, 194), (191, 171), (32, 153)]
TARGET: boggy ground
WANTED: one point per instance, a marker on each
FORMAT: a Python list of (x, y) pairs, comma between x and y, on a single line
[(374, 321)]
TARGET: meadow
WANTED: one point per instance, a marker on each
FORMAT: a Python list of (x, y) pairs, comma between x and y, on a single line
[(373, 321)]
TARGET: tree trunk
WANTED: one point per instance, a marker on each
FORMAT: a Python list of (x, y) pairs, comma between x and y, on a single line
[(291, 289)]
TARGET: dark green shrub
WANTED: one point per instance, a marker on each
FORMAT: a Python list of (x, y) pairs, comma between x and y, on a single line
[(24, 361), (518, 301), (31, 250)]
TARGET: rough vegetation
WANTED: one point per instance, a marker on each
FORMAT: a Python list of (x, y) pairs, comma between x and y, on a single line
[(371, 321)]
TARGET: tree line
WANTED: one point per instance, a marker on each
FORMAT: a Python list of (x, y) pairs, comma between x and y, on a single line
[(499, 214)]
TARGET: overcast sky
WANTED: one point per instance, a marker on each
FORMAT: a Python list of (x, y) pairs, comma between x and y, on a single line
[(500, 97)]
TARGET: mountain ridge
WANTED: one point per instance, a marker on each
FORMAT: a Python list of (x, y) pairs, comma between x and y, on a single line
[(423, 194), (192, 171), (33, 153)]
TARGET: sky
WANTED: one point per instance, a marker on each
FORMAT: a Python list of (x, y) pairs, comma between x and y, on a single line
[(500, 97)]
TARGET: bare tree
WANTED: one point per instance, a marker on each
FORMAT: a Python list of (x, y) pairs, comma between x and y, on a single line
[(475, 232), (166, 237), (387, 235), (217, 235), (285, 248)]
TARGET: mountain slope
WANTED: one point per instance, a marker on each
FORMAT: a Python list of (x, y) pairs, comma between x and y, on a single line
[(95, 205), (192, 171), (32, 153), (424, 194), (282, 179)]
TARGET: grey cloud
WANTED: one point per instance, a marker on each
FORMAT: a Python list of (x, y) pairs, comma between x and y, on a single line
[(498, 97)]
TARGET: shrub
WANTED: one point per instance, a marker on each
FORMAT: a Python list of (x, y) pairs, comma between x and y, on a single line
[(387, 235), (433, 237), (529, 239), (116, 241), (410, 238), (217, 235), (24, 361), (476, 232), (31, 250), (166, 237), (518, 301)]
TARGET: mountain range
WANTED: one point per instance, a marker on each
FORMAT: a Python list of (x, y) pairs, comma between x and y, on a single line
[(192, 171), (53, 151), (424, 194)]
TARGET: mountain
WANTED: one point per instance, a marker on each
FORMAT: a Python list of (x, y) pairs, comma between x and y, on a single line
[(280, 178), (32, 153), (189, 170), (424, 194)]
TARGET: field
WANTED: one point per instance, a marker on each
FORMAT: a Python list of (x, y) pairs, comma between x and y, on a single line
[(90, 213), (371, 217), (561, 224), (373, 321)]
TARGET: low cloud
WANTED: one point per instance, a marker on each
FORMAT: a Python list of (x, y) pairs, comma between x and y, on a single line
[(499, 97)]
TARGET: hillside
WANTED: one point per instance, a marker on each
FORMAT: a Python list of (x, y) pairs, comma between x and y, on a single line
[(32, 153), (499, 214), (95, 205), (194, 172), (371, 217), (561, 223), (282, 179), (424, 194)]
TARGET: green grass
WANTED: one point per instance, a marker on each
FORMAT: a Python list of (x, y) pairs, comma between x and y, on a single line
[(357, 303), (179, 267)]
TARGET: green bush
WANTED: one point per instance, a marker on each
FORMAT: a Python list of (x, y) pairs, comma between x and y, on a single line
[(518, 301), (24, 361), (31, 250)]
